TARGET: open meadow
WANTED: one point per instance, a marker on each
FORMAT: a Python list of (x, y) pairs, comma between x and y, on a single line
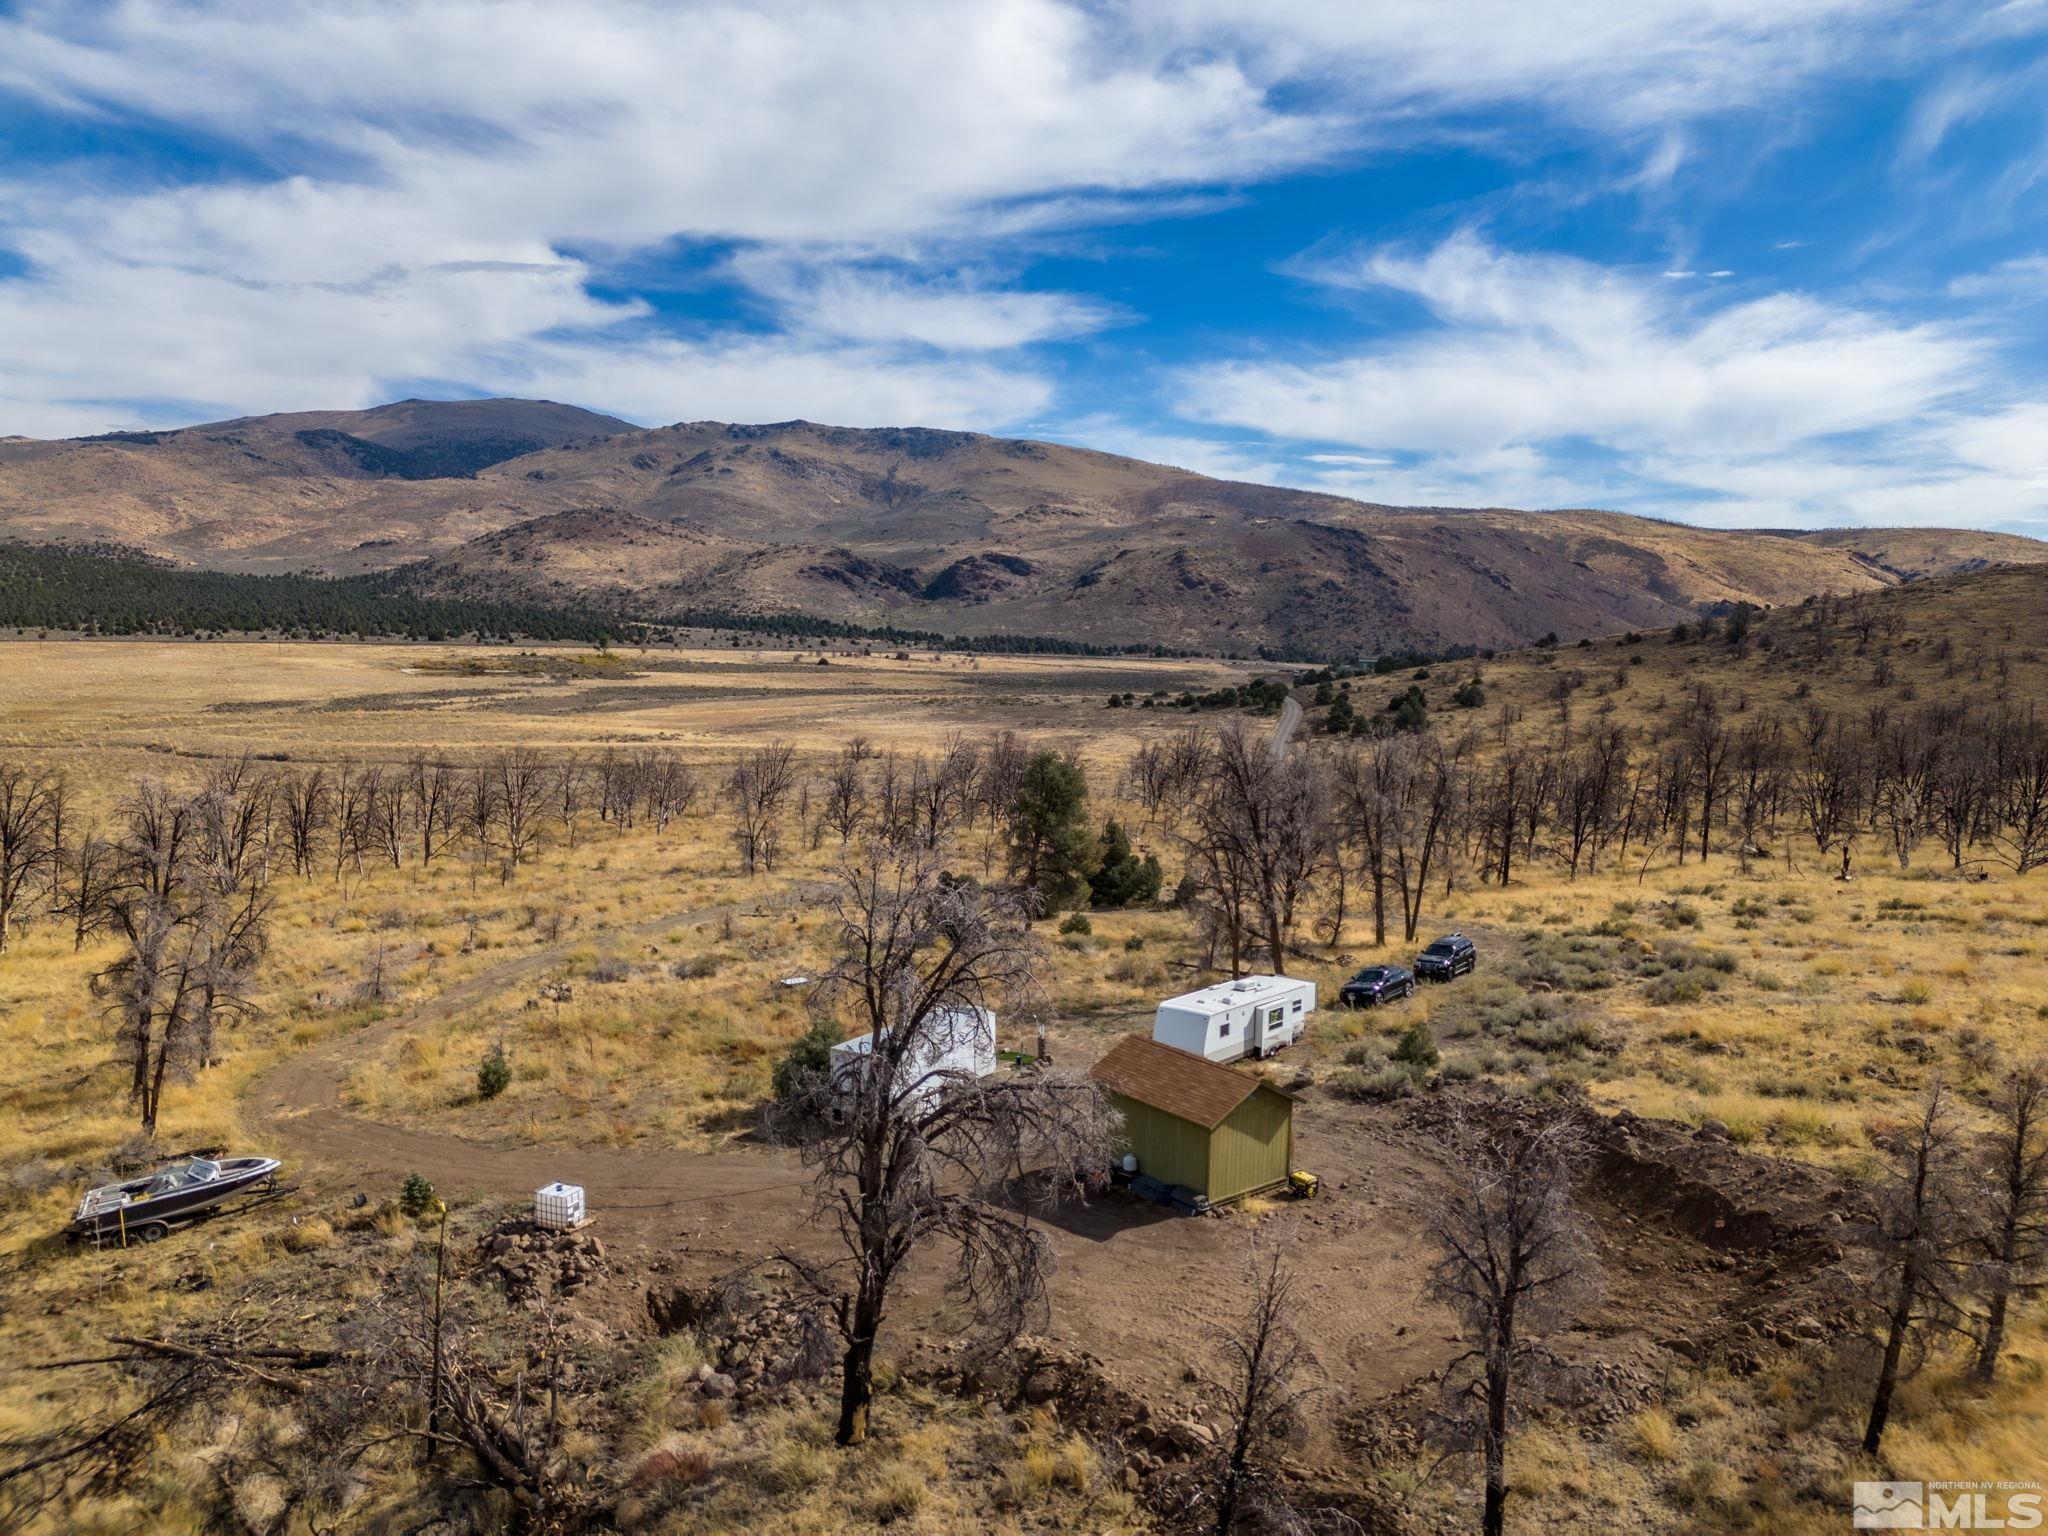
[(635, 940), (72, 700)]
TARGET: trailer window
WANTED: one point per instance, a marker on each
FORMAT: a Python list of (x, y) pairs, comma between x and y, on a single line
[(1297, 1005), (1224, 1034)]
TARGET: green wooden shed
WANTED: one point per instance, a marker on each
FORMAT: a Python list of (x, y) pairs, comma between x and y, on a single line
[(1223, 1133)]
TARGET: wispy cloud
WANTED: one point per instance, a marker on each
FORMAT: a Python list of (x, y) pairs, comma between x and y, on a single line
[(489, 139), (2024, 278), (1550, 373), (1224, 459), (959, 311), (1649, 65)]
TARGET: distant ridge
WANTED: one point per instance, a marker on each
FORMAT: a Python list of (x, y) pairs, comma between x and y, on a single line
[(539, 503)]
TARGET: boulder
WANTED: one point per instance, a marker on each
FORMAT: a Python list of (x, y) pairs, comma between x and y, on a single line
[(1189, 1437), (1041, 1386)]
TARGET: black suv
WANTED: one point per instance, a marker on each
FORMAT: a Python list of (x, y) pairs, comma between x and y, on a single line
[(1376, 984), (1451, 955)]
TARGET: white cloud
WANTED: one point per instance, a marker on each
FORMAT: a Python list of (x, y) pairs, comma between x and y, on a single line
[(1661, 167), (1203, 455), (1502, 477), (2025, 278), (1550, 380), (453, 178), (1958, 100), (624, 123), (775, 378), (959, 312), (2012, 442), (1644, 65), (440, 165), (1536, 348)]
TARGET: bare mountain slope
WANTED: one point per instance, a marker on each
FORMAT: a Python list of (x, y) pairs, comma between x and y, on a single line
[(1911, 553), (225, 492), (935, 529)]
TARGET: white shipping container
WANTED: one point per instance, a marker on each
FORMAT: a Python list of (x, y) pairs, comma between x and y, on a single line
[(559, 1206)]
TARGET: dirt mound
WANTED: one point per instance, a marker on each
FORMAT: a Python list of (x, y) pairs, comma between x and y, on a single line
[(1710, 1254), (1700, 1182), (1167, 1458), (1775, 1232)]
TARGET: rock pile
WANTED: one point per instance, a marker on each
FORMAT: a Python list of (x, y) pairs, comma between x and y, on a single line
[(534, 1262), (1075, 1383), (762, 1341)]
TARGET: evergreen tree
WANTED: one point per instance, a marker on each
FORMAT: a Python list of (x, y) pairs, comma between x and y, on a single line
[(1052, 851), (1410, 710), (1124, 880), (807, 1061), (1418, 1047)]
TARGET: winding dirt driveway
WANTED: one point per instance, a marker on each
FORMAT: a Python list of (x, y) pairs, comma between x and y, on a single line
[(738, 1202), (1133, 1284)]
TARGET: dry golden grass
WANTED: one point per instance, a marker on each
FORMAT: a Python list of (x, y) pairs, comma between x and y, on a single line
[(115, 708), (1982, 636), (1798, 1011), (932, 1466)]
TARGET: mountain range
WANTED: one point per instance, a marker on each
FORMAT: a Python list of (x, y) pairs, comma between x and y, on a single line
[(533, 501)]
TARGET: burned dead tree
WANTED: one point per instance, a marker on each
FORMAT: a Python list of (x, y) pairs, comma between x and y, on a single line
[(759, 787), (2013, 1240), (1258, 839), (907, 1149), (441, 1373), (1265, 1383), (28, 840), (1917, 1271), (411, 1369), (192, 927), (1516, 1264)]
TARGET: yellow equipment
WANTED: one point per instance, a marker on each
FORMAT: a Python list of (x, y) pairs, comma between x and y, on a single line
[(1303, 1184)]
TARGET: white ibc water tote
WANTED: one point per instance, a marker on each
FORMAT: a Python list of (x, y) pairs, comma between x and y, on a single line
[(559, 1206)]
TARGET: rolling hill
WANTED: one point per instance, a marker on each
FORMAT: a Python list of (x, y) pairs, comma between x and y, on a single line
[(532, 501)]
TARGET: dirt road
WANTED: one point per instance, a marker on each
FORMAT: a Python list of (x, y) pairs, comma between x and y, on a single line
[(1134, 1285), (1284, 729), (665, 1198), (1137, 1288)]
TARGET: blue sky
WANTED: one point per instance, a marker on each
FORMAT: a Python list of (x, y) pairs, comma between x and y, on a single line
[(1775, 262)]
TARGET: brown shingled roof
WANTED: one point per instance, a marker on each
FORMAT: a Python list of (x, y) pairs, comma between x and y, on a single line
[(1185, 1085)]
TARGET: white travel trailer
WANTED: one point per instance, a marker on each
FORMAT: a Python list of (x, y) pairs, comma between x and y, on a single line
[(954, 1043), (1252, 1016)]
